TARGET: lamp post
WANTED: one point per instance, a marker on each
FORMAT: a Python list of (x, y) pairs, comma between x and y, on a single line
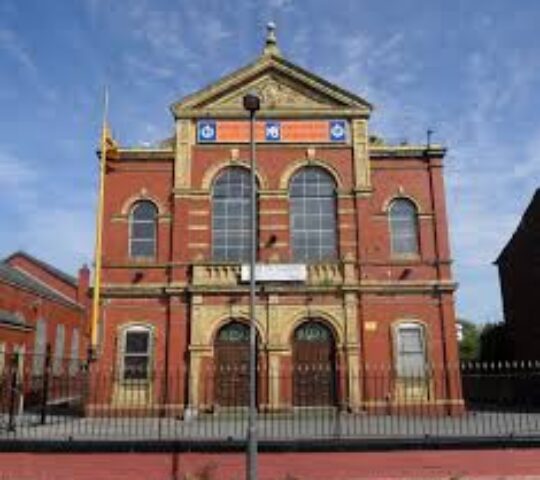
[(252, 104)]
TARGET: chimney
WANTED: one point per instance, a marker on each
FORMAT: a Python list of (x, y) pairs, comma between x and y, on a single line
[(83, 285)]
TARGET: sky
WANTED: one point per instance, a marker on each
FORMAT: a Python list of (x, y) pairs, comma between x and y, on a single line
[(468, 70)]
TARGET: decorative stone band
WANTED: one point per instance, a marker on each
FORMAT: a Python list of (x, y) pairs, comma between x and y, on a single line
[(273, 131)]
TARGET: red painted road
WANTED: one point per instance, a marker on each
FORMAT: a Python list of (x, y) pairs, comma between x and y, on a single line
[(462, 465)]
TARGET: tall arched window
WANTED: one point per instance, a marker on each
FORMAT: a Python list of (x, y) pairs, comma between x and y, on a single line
[(403, 227), (313, 215), (231, 199), (142, 230)]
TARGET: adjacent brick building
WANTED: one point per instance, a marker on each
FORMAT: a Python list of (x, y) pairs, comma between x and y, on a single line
[(519, 276), (41, 305), (366, 219)]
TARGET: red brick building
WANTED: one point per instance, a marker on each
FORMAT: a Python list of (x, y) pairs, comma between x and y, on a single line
[(41, 305), (365, 221), (519, 276)]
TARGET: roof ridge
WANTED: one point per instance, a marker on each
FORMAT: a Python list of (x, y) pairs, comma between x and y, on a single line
[(21, 278), (65, 277)]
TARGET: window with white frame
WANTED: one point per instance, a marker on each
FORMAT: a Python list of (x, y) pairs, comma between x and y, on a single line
[(74, 352), (136, 353), (231, 213), (59, 345), (313, 215), (40, 347), (403, 218), (142, 230), (411, 350)]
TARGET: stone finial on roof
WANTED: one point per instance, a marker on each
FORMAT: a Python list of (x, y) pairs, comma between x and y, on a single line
[(271, 47)]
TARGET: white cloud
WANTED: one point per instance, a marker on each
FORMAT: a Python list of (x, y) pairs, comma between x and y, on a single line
[(13, 46), (14, 173), (59, 228)]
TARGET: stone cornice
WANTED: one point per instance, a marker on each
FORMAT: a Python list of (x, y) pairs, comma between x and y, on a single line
[(366, 286), (141, 154), (420, 151)]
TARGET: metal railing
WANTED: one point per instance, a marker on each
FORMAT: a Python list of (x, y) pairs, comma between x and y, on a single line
[(461, 403)]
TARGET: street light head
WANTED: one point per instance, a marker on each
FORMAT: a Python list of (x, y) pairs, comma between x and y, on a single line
[(252, 103)]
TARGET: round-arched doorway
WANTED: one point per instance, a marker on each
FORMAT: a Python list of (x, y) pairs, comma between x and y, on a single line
[(314, 365), (231, 357)]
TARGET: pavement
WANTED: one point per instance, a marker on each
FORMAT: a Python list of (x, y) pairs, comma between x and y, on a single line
[(523, 464), (275, 427)]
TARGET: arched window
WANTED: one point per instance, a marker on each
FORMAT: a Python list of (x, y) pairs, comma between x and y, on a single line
[(135, 355), (142, 230), (410, 350), (403, 227), (313, 215), (231, 200)]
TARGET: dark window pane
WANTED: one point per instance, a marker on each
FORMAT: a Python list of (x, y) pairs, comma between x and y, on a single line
[(137, 342), (142, 248), (144, 211), (143, 230), (135, 367)]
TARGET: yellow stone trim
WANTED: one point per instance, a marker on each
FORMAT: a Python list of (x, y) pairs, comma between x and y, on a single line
[(143, 195), (362, 168), (198, 245), (199, 213), (272, 68), (399, 196), (185, 139), (198, 227), (212, 173), (294, 167), (273, 212), (271, 194)]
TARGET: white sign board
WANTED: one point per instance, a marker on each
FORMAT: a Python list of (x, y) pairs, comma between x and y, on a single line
[(276, 272)]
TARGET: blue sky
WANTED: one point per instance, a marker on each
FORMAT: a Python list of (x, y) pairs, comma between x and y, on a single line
[(469, 70)]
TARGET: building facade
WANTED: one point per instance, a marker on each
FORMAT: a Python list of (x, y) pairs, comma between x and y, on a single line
[(519, 276), (366, 220), (39, 306)]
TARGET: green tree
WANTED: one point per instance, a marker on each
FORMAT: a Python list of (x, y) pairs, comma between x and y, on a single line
[(469, 346)]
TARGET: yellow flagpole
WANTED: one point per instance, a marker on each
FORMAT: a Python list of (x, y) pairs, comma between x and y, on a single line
[(99, 228)]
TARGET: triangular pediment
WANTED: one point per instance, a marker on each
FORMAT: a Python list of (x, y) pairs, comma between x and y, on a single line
[(283, 88)]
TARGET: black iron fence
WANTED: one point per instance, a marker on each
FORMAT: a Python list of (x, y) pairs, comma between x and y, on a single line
[(69, 402)]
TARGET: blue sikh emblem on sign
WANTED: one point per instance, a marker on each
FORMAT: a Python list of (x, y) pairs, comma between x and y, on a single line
[(206, 131), (272, 131), (337, 130)]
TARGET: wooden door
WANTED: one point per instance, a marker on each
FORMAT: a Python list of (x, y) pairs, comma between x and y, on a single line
[(232, 365), (314, 372)]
